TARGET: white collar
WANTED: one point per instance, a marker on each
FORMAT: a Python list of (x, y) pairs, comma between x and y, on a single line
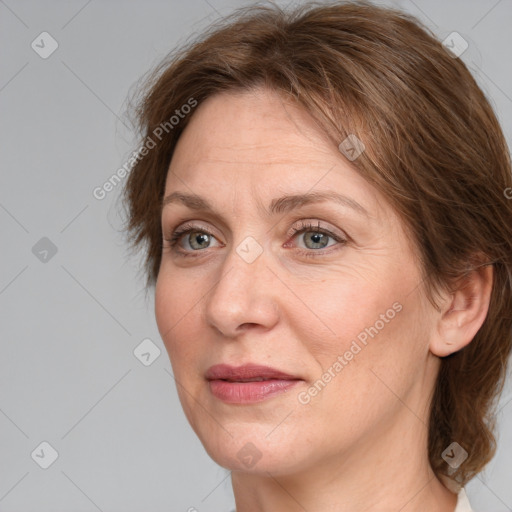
[(463, 504)]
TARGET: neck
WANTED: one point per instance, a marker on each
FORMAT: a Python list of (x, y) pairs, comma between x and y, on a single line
[(389, 473)]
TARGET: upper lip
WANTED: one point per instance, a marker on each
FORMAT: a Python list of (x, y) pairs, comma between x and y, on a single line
[(245, 373)]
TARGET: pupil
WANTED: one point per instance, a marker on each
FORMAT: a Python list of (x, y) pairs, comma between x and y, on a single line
[(200, 239), (316, 239)]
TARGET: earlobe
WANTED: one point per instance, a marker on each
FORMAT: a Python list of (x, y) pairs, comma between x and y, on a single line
[(463, 312)]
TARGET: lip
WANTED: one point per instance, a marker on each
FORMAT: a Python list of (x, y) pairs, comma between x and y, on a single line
[(235, 384)]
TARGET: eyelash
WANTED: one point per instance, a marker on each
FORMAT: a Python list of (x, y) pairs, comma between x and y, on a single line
[(304, 227)]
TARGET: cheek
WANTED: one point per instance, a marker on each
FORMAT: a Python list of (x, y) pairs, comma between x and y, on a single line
[(362, 370), (174, 316), (344, 308), (371, 320), (165, 313)]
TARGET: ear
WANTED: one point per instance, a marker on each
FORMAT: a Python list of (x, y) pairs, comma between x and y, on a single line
[(463, 311)]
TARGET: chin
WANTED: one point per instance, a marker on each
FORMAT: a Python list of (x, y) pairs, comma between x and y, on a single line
[(255, 453)]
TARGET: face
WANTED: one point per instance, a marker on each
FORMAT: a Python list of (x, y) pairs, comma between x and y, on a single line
[(325, 293)]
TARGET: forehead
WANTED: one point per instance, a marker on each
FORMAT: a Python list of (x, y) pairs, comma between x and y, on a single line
[(257, 126), (259, 144)]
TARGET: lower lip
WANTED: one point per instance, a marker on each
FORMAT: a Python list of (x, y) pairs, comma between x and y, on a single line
[(249, 392)]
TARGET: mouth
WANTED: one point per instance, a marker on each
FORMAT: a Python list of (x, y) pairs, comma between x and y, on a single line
[(246, 373), (255, 379), (248, 383)]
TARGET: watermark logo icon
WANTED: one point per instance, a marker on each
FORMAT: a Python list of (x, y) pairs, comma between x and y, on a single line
[(456, 44), (44, 45), (454, 455), (44, 455), (249, 455), (352, 147), (44, 250), (249, 249), (147, 352)]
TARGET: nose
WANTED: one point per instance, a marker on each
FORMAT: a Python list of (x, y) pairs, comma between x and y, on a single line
[(244, 296)]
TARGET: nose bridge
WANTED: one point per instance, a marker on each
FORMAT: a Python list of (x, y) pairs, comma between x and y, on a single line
[(242, 294)]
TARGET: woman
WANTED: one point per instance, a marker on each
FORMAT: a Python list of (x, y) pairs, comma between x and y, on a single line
[(322, 198)]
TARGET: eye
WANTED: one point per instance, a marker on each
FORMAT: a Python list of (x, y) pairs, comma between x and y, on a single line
[(315, 237), (195, 237), (189, 239)]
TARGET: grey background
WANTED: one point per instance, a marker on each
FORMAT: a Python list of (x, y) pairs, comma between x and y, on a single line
[(70, 324)]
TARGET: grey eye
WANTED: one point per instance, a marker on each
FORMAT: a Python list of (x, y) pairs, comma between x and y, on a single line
[(198, 237), (313, 239)]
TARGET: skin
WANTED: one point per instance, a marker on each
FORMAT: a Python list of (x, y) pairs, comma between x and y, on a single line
[(361, 443)]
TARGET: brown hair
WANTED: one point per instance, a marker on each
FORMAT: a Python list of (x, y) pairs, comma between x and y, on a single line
[(434, 148)]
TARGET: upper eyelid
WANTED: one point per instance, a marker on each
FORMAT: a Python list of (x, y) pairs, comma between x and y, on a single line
[(310, 210), (308, 222)]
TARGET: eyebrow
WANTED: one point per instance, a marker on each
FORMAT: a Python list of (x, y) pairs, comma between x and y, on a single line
[(278, 205)]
